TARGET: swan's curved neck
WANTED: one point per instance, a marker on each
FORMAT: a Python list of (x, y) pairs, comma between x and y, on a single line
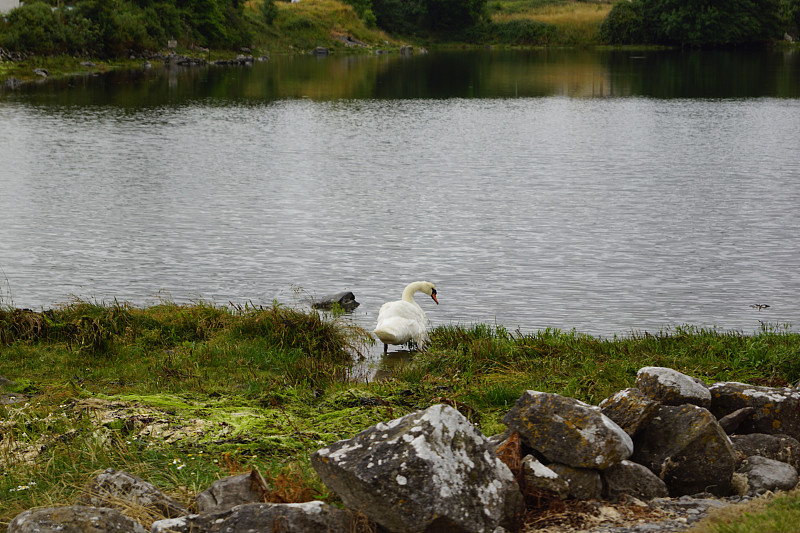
[(411, 289)]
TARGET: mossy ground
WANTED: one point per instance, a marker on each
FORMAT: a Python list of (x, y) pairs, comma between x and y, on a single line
[(182, 395)]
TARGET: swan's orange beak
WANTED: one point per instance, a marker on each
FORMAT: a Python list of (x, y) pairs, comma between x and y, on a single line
[(433, 295)]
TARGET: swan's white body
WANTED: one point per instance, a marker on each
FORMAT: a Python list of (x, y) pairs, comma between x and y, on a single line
[(404, 320)]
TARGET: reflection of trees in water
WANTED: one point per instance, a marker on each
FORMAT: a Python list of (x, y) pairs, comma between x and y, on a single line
[(459, 74)]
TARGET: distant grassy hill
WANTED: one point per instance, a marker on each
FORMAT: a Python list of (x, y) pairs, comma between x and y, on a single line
[(311, 23)]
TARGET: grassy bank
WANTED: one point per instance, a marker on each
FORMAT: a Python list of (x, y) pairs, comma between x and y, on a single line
[(182, 395)]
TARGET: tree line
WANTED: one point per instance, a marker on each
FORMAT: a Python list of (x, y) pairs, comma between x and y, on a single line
[(114, 28)]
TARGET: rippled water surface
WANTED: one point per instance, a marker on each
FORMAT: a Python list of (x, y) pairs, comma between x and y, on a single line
[(540, 194)]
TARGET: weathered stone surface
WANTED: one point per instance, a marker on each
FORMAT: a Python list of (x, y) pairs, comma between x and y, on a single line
[(630, 409), (430, 470), (112, 488), (584, 483), (568, 431), (632, 479), (778, 447), (777, 410), (540, 477), (671, 387), (767, 474), (730, 423), (284, 517), (686, 447), (231, 491), (74, 519)]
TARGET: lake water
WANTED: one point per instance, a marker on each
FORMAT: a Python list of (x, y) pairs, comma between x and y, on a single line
[(606, 192)]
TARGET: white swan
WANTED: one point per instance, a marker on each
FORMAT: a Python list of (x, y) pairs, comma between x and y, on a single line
[(404, 320)]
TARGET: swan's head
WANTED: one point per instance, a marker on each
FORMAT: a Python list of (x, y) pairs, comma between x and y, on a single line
[(420, 286), (430, 289), (433, 295)]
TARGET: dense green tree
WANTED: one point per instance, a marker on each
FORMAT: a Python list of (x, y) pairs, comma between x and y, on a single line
[(693, 22), (452, 16)]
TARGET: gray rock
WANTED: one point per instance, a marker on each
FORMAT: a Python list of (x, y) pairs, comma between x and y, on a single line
[(767, 474), (284, 517), (776, 409), (778, 447), (346, 300), (670, 387), (686, 447), (568, 431), (632, 479), (730, 423), (231, 491), (112, 488), (430, 470), (74, 519), (540, 477), (584, 483), (630, 409)]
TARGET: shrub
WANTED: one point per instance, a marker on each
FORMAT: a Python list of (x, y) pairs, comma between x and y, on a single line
[(268, 11), (521, 32), (693, 22), (624, 24)]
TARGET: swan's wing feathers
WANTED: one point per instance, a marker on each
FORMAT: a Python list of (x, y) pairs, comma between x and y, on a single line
[(400, 322)]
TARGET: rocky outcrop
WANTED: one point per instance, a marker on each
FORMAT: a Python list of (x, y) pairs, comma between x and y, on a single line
[(568, 431), (286, 518), (764, 474), (670, 387), (687, 449), (776, 411), (113, 488), (74, 519), (781, 448), (432, 470), (231, 491)]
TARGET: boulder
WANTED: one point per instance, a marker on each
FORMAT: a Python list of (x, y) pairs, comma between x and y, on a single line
[(233, 490), (584, 483), (630, 409), (112, 488), (778, 447), (430, 470), (686, 447), (346, 300), (632, 479), (670, 387), (540, 477), (730, 423), (284, 517), (74, 519), (767, 475), (568, 431), (777, 409)]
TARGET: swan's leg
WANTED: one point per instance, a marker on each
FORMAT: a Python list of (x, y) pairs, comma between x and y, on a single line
[(385, 348)]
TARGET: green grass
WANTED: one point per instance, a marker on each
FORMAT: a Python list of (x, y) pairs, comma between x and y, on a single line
[(778, 515), (182, 395)]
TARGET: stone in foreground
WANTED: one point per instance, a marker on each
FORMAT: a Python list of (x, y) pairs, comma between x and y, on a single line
[(251, 517), (74, 519), (120, 489), (568, 431), (686, 447), (670, 387), (429, 471)]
